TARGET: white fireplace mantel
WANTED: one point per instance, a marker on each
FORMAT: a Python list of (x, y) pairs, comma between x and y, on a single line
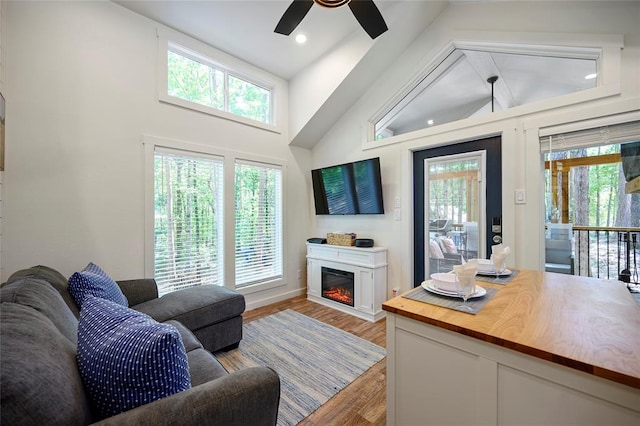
[(369, 266)]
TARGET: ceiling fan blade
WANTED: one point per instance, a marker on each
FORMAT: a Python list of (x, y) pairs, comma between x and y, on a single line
[(370, 18), (294, 14)]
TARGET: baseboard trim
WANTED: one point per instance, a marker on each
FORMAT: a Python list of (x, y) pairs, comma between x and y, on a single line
[(254, 304)]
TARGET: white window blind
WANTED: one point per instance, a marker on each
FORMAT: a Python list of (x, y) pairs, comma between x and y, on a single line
[(602, 131), (188, 225), (258, 223)]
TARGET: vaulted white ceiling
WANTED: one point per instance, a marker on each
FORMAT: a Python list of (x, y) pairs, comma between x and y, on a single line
[(340, 62), (244, 28), (338, 49)]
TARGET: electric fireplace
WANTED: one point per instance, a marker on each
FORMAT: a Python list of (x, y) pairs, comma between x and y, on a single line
[(338, 285), (349, 279)]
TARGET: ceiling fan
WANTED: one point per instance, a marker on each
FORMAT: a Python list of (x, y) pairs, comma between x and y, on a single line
[(365, 12)]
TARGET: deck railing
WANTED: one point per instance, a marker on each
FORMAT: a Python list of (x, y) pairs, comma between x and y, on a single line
[(606, 252)]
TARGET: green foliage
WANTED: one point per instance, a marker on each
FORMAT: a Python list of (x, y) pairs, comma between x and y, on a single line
[(452, 184), (189, 223), (205, 85), (604, 198), (187, 219), (257, 222), (195, 82), (248, 100)]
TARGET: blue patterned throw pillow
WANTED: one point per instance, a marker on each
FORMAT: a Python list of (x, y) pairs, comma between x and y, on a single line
[(126, 358), (92, 280)]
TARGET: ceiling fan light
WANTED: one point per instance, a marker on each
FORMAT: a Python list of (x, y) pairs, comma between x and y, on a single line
[(331, 3), (365, 12)]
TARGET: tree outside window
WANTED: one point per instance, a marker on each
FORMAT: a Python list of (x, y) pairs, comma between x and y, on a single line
[(196, 80), (189, 222)]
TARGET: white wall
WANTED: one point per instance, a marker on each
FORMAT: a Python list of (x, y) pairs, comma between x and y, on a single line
[(82, 84), (320, 93), (522, 224)]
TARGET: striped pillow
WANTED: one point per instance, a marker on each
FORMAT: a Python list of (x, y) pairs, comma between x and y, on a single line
[(92, 280), (126, 358)]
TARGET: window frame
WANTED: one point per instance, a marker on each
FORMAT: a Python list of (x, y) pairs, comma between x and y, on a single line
[(217, 163), (230, 158), (279, 224), (183, 45), (578, 45)]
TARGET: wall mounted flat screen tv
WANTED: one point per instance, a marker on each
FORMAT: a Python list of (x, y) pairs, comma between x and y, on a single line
[(352, 188)]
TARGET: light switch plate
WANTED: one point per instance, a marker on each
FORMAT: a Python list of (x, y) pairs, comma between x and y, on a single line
[(521, 196)]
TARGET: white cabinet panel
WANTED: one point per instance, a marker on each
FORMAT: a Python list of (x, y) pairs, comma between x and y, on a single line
[(365, 291), (369, 268), (438, 384), (436, 376), (313, 271), (521, 397)]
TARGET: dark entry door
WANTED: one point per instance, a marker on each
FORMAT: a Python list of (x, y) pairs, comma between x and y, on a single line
[(443, 225)]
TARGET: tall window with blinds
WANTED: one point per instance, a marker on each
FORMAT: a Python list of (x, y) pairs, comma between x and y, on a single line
[(592, 222), (188, 222), (258, 223)]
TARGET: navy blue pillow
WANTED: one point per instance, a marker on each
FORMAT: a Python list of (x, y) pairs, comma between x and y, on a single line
[(126, 358), (92, 280)]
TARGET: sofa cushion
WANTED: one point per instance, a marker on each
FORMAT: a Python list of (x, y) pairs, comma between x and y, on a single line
[(189, 341), (126, 359), (53, 277), (195, 307), (204, 367), (92, 280), (41, 296), (448, 245), (435, 252), (41, 384), (138, 290)]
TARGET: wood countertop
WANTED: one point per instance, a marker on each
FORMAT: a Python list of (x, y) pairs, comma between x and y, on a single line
[(587, 324)]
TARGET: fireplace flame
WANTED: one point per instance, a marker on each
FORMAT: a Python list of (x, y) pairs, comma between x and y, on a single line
[(339, 294)]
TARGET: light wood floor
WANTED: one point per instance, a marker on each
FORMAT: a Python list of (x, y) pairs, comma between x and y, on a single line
[(362, 402)]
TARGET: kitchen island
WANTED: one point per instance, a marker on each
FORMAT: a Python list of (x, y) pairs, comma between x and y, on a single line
[(546, 349)]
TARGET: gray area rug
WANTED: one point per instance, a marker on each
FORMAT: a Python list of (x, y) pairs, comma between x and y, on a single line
[(314, 360)]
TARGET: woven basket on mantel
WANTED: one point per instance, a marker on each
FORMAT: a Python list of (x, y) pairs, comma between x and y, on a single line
[(338, 239)]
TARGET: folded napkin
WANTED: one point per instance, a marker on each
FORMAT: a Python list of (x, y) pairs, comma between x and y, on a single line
[(500, 249), (467, 269), (499, 253)]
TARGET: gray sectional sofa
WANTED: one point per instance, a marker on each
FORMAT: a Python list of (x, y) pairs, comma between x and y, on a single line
[(41, 384)]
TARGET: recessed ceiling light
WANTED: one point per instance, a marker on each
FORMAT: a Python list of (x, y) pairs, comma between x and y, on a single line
[(430, 122), (590, 76), (301, 38)]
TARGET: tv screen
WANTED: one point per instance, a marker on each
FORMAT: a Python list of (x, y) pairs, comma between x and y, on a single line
[(352, 188)]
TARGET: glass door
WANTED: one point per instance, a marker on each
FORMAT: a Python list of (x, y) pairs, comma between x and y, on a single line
[(457, 204), (454, 210)]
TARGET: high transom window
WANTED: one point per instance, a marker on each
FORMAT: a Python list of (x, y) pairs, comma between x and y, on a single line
[(199, 77), (194, 78), (472, 81)]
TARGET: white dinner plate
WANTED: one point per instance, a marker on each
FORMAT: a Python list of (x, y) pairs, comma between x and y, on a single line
[(444, 281), (430, 287), (506, 273)]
